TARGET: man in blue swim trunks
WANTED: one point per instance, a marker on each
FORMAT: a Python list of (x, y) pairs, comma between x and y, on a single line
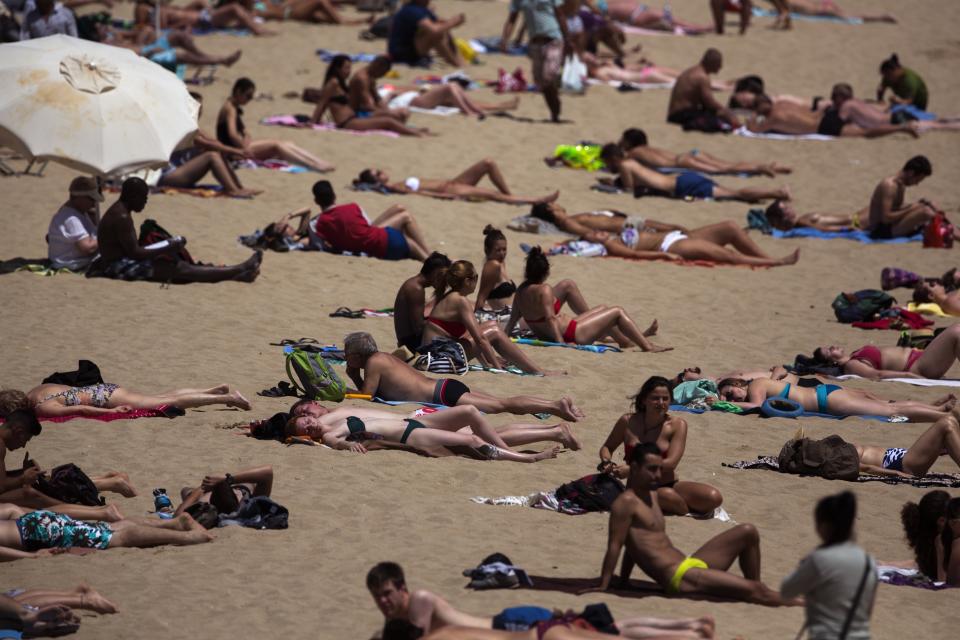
[(640, 180), (637, 521)]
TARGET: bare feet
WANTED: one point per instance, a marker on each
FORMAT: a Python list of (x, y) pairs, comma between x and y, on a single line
[(94, 601), (121, 485), (231, 59), (563, 409), (546, 454), (567, 438), (654, 348), (550, 198), (111, 513), (574, 409), (652, 329), (784, 193), (237, 400), (791, 259), (706, 626)]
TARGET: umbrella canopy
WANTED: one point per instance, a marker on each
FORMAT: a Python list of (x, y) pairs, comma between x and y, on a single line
[(97, 108)]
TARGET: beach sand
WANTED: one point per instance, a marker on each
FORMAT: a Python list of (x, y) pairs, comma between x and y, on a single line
[(349, 511)]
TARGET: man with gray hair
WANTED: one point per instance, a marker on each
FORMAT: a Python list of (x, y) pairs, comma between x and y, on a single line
[(388, 377)]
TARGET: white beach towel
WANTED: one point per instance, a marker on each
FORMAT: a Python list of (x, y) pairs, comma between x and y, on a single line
[(746, 133), (919, 382)]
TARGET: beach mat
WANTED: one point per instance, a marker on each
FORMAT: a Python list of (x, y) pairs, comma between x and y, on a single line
[(760, 12), (547, 500), (852, 234), (769, 463), (288, 120), (593, 348), (756, 412), (161, 412), (746, 133), (328, 54), (919, 382)]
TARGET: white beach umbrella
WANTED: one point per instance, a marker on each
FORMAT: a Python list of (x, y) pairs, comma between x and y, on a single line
[(97, 108)]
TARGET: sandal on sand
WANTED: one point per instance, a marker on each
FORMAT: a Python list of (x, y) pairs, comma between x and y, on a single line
[(346, 312), (282, 390)]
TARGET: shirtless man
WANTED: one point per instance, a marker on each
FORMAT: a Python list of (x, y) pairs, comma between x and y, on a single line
[(889, 216), (637, 521), (362, 90), (428, 611), (123, 258), (634, 144), (410, 306), (794, 119), (341, 427), (27, 531), (386, 376), (692, 104), (686, 184)]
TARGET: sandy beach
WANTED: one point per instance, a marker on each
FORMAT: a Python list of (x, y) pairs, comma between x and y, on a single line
[(349, 511)]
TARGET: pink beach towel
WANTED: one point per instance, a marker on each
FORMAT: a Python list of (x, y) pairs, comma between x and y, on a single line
[(160, 412), (291, 121)]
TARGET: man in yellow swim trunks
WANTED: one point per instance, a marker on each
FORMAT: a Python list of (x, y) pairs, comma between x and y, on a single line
[(637, 521)]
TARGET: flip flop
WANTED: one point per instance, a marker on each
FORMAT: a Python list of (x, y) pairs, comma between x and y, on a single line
[(346, 312)]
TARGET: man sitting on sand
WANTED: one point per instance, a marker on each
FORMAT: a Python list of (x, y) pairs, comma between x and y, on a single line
[(343, 428), (395, 235), (28, 531), (794, 119), (410, 306), (634, 144), (122, 258), (428, 611), (72, 235), (637, 521), (416, 32), (687, 184), (362, 91), (385, 376), (692, 104), (889, 216)]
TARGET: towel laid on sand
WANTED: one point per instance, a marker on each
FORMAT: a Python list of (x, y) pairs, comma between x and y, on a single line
[(529, 224), (908, 578), (929, 308), (595, 348), (756, 411), (161, 412), (492, 44), (274, 163), (548, 500), (746, 133), (761, 12), (287, 120), (920, 382), (328, 54), (769, 463)]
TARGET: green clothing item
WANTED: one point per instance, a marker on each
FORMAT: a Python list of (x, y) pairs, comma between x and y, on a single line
[(911, 87), (540, 17)]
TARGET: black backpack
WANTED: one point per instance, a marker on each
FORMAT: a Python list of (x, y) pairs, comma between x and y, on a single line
[(258, 512), (595, 492), (861, 306), (832, 458), (68, 483), (87, 374)]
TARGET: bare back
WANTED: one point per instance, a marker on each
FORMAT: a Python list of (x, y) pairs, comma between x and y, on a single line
[(688, 92)]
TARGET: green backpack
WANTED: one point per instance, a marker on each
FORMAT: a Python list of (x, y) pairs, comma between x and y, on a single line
[(313, 377)]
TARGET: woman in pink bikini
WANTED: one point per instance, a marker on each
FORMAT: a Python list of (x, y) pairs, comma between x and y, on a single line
[(897, 362), (453, 318), (536, 302)]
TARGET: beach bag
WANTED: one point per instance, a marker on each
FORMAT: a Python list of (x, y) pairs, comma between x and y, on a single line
[(68, 483), (832, 458), (938, 234), (572, 79), (87, 374), (443, 356), (152, 233), (313, 377), (861, 306), (595, 492), (257, 512)]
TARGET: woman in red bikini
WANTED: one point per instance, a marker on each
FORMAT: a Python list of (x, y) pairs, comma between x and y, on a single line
[(897, 362), (651, 422), (536, 302), (453, 318)]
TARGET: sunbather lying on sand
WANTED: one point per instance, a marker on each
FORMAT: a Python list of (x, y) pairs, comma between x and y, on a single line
[(896, 362), (463, 185), (783, 216), (341, 428), (914, 462), (828, 398), (385, 376)]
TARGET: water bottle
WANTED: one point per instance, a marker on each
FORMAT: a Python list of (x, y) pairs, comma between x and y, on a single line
[(162, 504)]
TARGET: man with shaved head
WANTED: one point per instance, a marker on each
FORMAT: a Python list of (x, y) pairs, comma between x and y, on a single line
[(692, 104)]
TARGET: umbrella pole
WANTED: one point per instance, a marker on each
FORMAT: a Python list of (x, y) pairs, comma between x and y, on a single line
[(156, 18)]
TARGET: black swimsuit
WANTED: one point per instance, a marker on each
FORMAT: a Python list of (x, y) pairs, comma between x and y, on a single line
[(502, 290), (831, 124)]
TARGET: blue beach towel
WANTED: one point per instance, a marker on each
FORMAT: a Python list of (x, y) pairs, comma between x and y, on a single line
[(767, 13), (806, 414), (491, 44), (859, 236), (595, 348), (327, 55)]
